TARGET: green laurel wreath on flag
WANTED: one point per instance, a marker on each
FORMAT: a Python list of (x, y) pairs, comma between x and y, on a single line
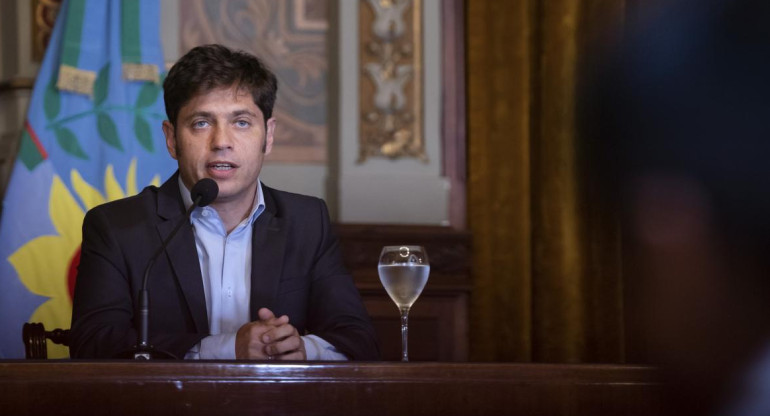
[(108, 131)]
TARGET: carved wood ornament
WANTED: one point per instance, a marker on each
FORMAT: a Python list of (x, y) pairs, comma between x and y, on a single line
[(44, 14), (391, 81)]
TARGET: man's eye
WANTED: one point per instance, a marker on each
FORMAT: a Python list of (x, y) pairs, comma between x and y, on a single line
[(200, 124), (242, 123)]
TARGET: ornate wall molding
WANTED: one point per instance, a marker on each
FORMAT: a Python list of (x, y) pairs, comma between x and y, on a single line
[(290, 36), (44, 14), (390, 46)]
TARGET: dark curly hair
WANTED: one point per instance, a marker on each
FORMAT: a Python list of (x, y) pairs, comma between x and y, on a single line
[(207, 67)]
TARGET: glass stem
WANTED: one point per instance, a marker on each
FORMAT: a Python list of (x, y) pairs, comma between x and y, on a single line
[(404, 334)]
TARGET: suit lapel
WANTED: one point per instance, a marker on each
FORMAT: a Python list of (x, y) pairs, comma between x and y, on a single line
[(181, 251), (268, 247)]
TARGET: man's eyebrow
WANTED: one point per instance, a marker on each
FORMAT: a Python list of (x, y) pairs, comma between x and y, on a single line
[(204, 114), (237, 113)]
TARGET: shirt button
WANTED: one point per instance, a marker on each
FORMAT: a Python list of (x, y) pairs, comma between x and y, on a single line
[(205, 213)]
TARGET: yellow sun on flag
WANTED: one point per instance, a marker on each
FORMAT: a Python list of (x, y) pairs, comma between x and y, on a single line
[(47, 265)]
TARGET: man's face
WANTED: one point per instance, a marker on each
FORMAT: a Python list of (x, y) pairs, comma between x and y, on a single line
[(220, 134)]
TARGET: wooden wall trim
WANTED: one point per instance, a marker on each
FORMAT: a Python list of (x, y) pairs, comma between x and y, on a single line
[(448, 249), (17, 84), (453, 109)]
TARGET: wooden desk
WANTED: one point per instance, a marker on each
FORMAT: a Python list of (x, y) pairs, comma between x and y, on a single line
[(220, 388)]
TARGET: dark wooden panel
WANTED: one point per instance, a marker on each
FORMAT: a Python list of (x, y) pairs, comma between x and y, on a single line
[(437, 327), (448, 249), (439, 318), (222, 388)]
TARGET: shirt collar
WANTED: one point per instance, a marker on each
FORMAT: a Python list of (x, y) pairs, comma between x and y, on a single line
[(257, 208)]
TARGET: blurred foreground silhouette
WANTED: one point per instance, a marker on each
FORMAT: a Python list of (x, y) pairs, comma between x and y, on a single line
[(680, 122)]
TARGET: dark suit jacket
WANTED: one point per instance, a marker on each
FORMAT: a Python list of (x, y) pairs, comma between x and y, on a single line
[(296, 270)]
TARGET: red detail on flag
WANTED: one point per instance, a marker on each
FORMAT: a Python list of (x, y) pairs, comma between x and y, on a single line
[(72, 273), (35, 140)]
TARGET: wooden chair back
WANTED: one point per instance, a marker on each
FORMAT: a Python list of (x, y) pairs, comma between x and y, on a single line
[(35, 339)]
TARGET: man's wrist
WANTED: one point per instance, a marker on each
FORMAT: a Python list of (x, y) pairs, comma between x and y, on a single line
[(218, 347), (318, 349)]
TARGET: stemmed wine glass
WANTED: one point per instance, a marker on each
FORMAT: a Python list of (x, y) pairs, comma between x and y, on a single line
[(403, 272)]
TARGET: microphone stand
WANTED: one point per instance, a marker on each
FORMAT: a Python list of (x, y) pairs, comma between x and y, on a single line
[(143, 349), (203, 193)]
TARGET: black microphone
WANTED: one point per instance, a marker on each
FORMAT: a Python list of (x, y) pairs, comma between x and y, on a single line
[(202, 193)]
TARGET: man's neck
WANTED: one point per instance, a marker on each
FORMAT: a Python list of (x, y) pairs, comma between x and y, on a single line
[(233, 212), (230, 212)]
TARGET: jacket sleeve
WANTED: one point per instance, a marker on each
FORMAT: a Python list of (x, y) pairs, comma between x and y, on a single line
[(104, 298), (336, 312)]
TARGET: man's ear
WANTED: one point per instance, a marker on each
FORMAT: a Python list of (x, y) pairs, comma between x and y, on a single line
[(267, 146), (168, 131)]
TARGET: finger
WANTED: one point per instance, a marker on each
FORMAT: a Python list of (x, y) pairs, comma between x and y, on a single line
[(249, 348), (286, 346), (257, 351), (256, 330), (277, 333), (283, 320), (265, 314), (297, 355)]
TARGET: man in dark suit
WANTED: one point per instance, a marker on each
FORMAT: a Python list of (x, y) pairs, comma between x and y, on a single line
[(257, 274)]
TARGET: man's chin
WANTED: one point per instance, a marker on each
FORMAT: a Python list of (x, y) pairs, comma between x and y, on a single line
[(226, 195)]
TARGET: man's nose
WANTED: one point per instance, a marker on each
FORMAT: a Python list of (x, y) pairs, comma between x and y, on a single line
[(221, 138)]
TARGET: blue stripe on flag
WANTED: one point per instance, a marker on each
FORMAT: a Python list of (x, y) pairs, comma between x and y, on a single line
[(26, 198)]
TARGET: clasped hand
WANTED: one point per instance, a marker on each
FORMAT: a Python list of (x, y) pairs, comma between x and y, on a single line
[(270, 338)]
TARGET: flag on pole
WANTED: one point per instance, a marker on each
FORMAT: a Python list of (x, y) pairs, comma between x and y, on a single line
[(92, 134)]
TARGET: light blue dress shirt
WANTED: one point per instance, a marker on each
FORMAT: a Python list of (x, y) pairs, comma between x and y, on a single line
[(225, 262)]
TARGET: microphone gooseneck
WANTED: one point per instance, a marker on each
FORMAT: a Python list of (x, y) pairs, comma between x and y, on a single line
[(202, 193)]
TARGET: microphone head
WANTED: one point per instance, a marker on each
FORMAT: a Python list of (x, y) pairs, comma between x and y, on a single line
[(204, 192)]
